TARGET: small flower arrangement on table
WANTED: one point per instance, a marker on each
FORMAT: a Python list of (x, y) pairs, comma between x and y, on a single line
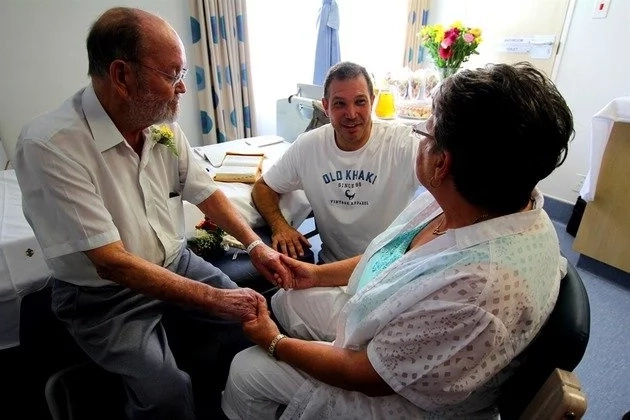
[(162, 134), (451, 47), (210, 241)]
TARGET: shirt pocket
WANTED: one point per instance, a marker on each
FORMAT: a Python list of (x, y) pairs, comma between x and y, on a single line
[(176, 212)]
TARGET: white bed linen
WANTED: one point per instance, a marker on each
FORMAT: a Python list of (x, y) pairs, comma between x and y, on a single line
[(294, 205), (22, 266), (618, 110)]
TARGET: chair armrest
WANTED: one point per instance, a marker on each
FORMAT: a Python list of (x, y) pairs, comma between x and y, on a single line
[(560, 397)]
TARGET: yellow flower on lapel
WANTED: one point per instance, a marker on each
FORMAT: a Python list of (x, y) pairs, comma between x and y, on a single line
[(163, 135)]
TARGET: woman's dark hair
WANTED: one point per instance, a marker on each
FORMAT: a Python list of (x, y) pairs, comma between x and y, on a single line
[(114, 36), (506, 127), (346, 70)]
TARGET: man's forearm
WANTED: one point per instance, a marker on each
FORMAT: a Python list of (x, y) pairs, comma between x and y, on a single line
[(221, 211), (267, 202), (114, 263)]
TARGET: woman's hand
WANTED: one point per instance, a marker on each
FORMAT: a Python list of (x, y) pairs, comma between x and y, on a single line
[(304, 275), (268, 262), (261, 330)]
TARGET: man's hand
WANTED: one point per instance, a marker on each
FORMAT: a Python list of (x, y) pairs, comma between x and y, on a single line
[(284, 238), (267, 261), (238, 304), (261, 330), (303, 274), (289, 241)]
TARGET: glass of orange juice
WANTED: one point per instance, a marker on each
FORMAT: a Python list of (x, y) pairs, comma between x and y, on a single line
[(385, 106)]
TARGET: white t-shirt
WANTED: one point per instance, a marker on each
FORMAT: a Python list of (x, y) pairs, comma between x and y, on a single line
[(83, 187), (354, 195)]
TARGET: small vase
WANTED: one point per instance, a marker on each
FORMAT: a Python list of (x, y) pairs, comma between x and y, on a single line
[(445, 72)]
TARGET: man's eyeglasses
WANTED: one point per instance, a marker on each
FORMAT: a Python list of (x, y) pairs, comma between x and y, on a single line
[(175, 79), (417, 130)]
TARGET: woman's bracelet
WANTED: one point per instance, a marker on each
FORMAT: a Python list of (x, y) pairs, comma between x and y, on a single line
[(272, 347), (253, 245)]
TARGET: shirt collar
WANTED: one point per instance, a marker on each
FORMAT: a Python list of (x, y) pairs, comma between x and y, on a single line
[(500, 226), (104, 131)]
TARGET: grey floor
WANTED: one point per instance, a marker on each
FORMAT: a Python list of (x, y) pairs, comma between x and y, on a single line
[(605, 369)]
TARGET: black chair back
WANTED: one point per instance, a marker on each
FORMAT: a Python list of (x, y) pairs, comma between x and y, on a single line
[(561, 343)]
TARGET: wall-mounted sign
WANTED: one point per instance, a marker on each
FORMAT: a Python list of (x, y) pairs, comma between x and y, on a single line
[(537, 46)]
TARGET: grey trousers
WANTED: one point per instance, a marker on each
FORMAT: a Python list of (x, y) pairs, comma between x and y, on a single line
[(135, 336)]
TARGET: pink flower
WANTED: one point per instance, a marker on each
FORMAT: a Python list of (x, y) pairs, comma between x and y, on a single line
[(450, 37), (445, 53), (452, 33), (468, 37)]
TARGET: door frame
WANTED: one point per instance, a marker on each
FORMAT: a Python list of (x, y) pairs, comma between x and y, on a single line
[(563, 38)]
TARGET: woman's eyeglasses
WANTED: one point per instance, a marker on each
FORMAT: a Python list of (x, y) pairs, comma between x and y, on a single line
[(417, 130)]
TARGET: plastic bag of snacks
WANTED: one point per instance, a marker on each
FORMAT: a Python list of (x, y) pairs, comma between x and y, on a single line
[(417, 110)]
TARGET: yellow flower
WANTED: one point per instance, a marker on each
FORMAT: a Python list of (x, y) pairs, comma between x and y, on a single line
[(476, 32), (164, 135), (457, 24), (439, 35)]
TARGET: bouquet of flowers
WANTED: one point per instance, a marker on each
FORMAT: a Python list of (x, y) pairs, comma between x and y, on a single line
[(210, 241), (451, 47)]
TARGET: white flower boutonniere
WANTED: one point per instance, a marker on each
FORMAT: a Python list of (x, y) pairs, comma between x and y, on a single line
[(164, 135)]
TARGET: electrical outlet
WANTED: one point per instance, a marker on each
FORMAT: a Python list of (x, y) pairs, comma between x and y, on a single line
[(601, 9), (579, 182)]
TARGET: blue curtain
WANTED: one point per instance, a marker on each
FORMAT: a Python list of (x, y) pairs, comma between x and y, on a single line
[(327, 50), (221, 63)]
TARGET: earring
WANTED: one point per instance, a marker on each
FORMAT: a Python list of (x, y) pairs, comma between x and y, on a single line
[(432, 180)]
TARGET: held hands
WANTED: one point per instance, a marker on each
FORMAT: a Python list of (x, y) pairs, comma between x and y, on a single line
[(303, 275), (267, 261), (238, 304), (261, 330), (289, 241)]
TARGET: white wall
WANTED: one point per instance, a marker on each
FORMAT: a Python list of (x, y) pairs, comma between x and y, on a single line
[(282, 34), (44, 60), (594, 69)]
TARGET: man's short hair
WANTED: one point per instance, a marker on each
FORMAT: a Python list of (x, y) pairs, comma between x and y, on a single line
[(346, 70), (115, 35)]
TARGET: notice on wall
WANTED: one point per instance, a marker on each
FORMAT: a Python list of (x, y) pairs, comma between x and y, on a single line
[(515, 45), (537, 46)]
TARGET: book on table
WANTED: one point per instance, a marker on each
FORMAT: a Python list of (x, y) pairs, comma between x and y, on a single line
[(240, 167)]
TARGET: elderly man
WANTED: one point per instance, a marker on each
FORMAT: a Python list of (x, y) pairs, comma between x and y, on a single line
[(103, 188)]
